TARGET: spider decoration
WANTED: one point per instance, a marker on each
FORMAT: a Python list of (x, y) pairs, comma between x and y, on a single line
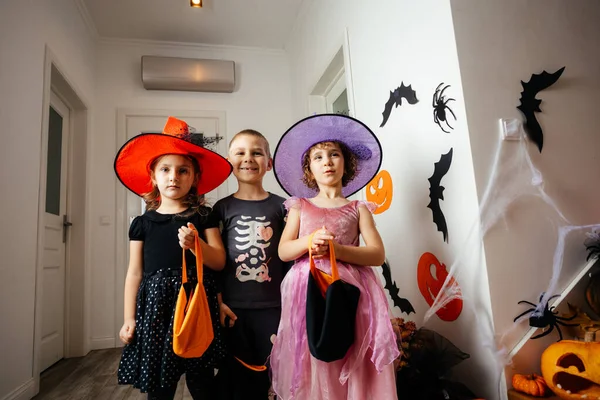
[(547, 318), (440, 105)]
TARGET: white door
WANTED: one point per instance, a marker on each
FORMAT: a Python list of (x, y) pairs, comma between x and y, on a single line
[(55, 234)]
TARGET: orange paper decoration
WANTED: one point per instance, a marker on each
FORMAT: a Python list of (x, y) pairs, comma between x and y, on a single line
[(380, 191), (430, 286)]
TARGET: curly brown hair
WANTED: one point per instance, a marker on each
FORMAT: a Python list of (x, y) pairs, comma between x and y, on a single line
[(192, 201), (350, 163)]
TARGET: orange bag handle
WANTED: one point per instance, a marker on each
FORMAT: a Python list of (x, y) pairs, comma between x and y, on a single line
[(323, 279), (257, 368), (199, 261), (199, 267)]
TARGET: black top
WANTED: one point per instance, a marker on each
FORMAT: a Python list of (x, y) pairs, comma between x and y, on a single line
[(161, 244), (251, 230)]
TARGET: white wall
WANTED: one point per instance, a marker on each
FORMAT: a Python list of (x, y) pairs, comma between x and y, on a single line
[(500, 44), (25, 28), (392, 41), (261, 101)]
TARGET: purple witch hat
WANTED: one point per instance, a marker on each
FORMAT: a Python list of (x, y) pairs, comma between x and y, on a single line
[(287, 160)]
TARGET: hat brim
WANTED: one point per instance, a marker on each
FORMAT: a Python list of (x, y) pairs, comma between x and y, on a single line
[(287, 159), (132, 163)]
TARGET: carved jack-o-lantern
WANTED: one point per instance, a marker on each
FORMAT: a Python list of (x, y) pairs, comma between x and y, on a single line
[(431, 275), (380, 191), (572, 369)]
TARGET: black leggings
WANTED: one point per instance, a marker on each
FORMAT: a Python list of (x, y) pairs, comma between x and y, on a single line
[(249, 340), (202, 386)]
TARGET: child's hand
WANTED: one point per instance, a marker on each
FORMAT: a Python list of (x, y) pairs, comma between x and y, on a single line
[(186, 236), (126, 333), (225, 311), (320, 242)]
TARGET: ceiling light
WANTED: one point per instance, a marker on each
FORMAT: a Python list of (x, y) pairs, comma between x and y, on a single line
[(196, 3)]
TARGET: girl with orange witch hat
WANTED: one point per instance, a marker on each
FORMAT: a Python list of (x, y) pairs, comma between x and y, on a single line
[(171, 174)]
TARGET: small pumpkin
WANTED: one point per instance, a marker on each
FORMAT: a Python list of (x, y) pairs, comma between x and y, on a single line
[(571, 369), (531, 384)]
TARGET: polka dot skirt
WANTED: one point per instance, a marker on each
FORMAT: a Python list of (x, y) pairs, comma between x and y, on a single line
[(149, 362)]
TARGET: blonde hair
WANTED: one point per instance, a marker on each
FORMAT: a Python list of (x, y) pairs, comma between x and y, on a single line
[(252, 132), (192, 200)]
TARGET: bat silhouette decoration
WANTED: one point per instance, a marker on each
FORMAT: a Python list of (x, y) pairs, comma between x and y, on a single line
[(436, 192), (529, 105), (400, 302), (396, 99)]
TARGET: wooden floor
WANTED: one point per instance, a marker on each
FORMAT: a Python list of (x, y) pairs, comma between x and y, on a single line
[(92, 377)]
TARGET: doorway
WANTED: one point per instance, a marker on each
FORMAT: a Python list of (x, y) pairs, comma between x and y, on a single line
[(333, 92), (56, 226), (60, 329)]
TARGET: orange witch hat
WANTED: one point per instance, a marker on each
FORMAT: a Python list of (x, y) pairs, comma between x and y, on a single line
[(132, 163)]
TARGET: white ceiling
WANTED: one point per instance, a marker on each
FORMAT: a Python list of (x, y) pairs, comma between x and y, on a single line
[(254, 23)]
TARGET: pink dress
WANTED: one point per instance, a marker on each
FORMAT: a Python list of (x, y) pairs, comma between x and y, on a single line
[(366, 372)]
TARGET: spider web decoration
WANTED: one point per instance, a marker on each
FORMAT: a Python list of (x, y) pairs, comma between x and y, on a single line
[(441, 110), (208, 142), (512, 177)]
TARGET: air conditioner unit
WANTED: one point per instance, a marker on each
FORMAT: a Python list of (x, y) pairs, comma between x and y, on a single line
[(188, 74)]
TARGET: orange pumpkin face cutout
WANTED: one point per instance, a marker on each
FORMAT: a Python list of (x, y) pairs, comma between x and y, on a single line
[(380, 191), (431, 275)]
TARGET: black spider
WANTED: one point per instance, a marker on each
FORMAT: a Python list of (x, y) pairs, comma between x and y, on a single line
[(547, 318), (440, 106)]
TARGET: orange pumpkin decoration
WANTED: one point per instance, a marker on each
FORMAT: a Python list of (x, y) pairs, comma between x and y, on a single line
[(532, 384), (431, 284), (380, 191), (571, 369)]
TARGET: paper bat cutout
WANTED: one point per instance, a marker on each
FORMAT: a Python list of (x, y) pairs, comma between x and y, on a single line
[(400, 302), (529, 105), (436, 192), (396, 98)]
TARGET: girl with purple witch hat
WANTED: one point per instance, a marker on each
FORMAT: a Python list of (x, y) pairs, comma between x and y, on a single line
[(320, 161)]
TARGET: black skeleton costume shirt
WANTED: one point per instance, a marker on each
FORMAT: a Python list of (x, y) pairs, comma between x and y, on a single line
[(251, 230)]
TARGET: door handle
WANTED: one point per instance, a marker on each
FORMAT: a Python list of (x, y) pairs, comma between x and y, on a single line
[(66, 224)]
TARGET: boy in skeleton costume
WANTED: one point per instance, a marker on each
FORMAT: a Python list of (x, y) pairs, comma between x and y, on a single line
[(251, 222)]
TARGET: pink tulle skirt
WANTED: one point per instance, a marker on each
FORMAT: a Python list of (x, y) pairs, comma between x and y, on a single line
[(366, 372)]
